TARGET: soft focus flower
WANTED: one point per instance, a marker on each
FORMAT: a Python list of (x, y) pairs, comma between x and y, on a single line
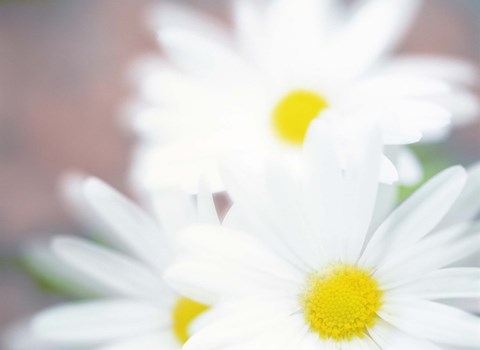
[(138, 311), (297, 264), (256, 90)]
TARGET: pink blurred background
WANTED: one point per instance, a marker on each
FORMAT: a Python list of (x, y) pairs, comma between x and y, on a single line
[(63, 82)]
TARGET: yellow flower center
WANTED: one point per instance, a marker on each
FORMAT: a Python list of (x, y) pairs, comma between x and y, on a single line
[(341, 302), (294, 112), (184, 312)]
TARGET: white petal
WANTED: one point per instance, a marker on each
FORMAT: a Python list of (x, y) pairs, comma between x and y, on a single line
[(177, 15), (450, 69), (20, 336), (396, 131), (374, 29), (404, 120), (176, 210), (223, 262), (361, 185), (116, 271), (433, 321), (207, 212), (43, 262), (248, 220), (164, 341), (235, 219), (161, 85), (296, 32), (394, 86), (249, 28), (409, 167), (436, 251), (417, 216), (182, 163), (242, 325), (426, 116), (387, 337), (251, 212), (384, 204), (467, 205), (202, 282), (291, 227), (388, 172), (464, 106), (95, 322), (294, 333), (71, 188), (365, 343), (131, 226), (463, 282), (323, 188), (203, 58)]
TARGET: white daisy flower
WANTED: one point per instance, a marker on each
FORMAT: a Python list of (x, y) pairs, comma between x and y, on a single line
[(298, 266), (138, 310), (256, 90)]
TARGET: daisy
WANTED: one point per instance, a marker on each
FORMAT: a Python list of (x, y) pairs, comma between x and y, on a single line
[(137, 309), (297, 264), (256, 90)]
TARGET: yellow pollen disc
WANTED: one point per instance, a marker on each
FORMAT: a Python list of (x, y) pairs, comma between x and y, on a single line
[(184, 312), (294, 112), (341, 302)]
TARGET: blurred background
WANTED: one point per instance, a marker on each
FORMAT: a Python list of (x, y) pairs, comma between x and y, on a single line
[(64, 68)]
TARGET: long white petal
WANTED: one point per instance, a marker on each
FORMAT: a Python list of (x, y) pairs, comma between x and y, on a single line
[(251, 212), (433, 321), (176, 210), (467, 206), (361, 185), (238, 249), (391, 86), (173, 14), (323, 187), (374, 29), (436, 251), (99, 321), (387, 337), (388, 172), (182, 164), (71, 188), (405, 120), (207, 212), (462, 282), (291, 228), (120, 273), (20, 336), (417, 216), (242, 325), (164, 340), (160, 84), (45, 263), (451, 69), (424, 115), (250, 31), (296, 33), (130, 225), (384, 204), (204, 58), (409, 167), (228, 263), (463, 104)]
